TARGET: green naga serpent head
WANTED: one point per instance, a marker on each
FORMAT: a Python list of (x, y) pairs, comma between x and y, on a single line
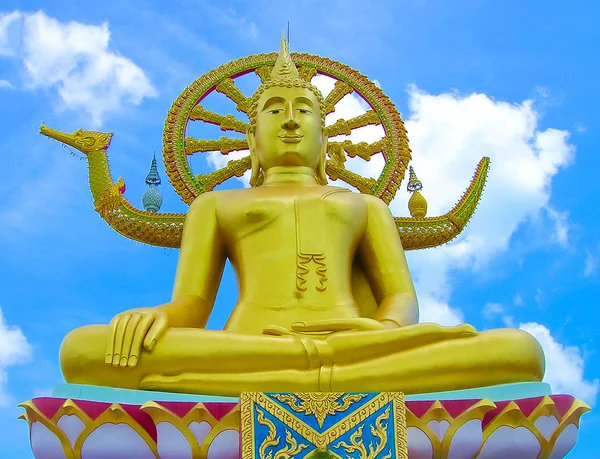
[(84, 141)]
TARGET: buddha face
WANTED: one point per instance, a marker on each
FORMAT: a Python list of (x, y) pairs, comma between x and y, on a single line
[(288, 130)]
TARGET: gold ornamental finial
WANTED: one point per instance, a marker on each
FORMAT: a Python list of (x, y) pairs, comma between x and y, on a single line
[(414, 184), (284, 68), (417, 204)]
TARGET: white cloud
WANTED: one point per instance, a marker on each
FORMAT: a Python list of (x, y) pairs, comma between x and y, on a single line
[(8, 23), (14, 349), (564, 365), (439, 312), (591, 263), (5, 84), (561, 225), (75, 59), (509, 321), (518, 300), (491, 310)]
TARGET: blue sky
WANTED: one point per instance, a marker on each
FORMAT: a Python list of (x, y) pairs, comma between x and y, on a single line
[(513, 80)]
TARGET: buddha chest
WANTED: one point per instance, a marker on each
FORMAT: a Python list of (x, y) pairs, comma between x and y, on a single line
[(312, 233)]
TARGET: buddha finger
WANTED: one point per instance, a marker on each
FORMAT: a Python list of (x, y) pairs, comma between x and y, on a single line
[(121, 326), (156, 330), (276, 330), (110, 345), (321, 326), (128, 337), (140, 333), (337, 325)]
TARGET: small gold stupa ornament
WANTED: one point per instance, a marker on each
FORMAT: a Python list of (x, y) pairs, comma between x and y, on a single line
[(417, 204)]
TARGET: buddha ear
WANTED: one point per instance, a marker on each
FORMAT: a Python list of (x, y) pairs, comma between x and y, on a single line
[(321, 176), (254, 162)]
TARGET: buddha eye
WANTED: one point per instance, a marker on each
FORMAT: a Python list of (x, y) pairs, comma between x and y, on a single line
[(304, 111), (276, 111)]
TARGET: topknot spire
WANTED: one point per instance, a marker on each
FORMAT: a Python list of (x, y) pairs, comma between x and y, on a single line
[(284, 68)]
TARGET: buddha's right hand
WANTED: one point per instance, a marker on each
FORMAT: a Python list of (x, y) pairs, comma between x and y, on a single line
[(131, 330)]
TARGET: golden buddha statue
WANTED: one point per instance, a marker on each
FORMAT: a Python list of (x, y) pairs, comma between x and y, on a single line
[(326, 299)]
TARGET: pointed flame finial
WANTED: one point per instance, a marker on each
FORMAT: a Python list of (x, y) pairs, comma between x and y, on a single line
[(284, 68), (414, 184)]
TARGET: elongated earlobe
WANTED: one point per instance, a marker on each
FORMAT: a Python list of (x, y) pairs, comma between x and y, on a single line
[(254, 162), (320, 174), (255, 171)]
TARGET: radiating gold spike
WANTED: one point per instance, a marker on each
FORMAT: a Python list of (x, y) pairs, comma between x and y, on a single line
[(363, 184), (234, 168), (343, 127), (226, 123), (337, 93), (307, 73), (229, 88), (264, 73), (336, 154), (335, 171), (225, 145), (362, 150)]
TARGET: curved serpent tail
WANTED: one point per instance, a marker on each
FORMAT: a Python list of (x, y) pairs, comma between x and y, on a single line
[(163, 230)]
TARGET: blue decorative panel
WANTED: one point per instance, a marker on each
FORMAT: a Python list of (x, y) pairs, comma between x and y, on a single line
[(316, 425)]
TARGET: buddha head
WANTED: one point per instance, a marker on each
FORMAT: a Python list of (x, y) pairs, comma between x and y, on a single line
[(287, 122)]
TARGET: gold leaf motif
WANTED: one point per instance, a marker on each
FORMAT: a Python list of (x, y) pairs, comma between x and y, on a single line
[(291, 448), (319, 404), (378, 431)]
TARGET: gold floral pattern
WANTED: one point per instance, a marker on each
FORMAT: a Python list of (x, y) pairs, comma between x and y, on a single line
[(319, 404)]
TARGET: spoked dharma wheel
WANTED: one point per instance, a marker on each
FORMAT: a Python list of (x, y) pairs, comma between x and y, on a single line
[(178, 146)]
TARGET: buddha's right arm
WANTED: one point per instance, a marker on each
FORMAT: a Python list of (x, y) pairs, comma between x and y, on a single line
[(200, 268), (199, 272)]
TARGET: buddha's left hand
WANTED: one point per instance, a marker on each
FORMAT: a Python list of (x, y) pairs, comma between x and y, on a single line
[(331, 326)]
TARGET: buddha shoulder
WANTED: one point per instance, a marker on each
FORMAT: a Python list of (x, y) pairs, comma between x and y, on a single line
[(210, 202), (360, 199), (231, 209)]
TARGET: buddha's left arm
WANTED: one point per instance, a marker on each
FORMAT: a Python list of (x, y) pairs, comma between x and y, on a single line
[(386, 269)]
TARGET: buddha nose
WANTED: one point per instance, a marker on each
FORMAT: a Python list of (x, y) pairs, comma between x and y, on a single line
[(290, 121)]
